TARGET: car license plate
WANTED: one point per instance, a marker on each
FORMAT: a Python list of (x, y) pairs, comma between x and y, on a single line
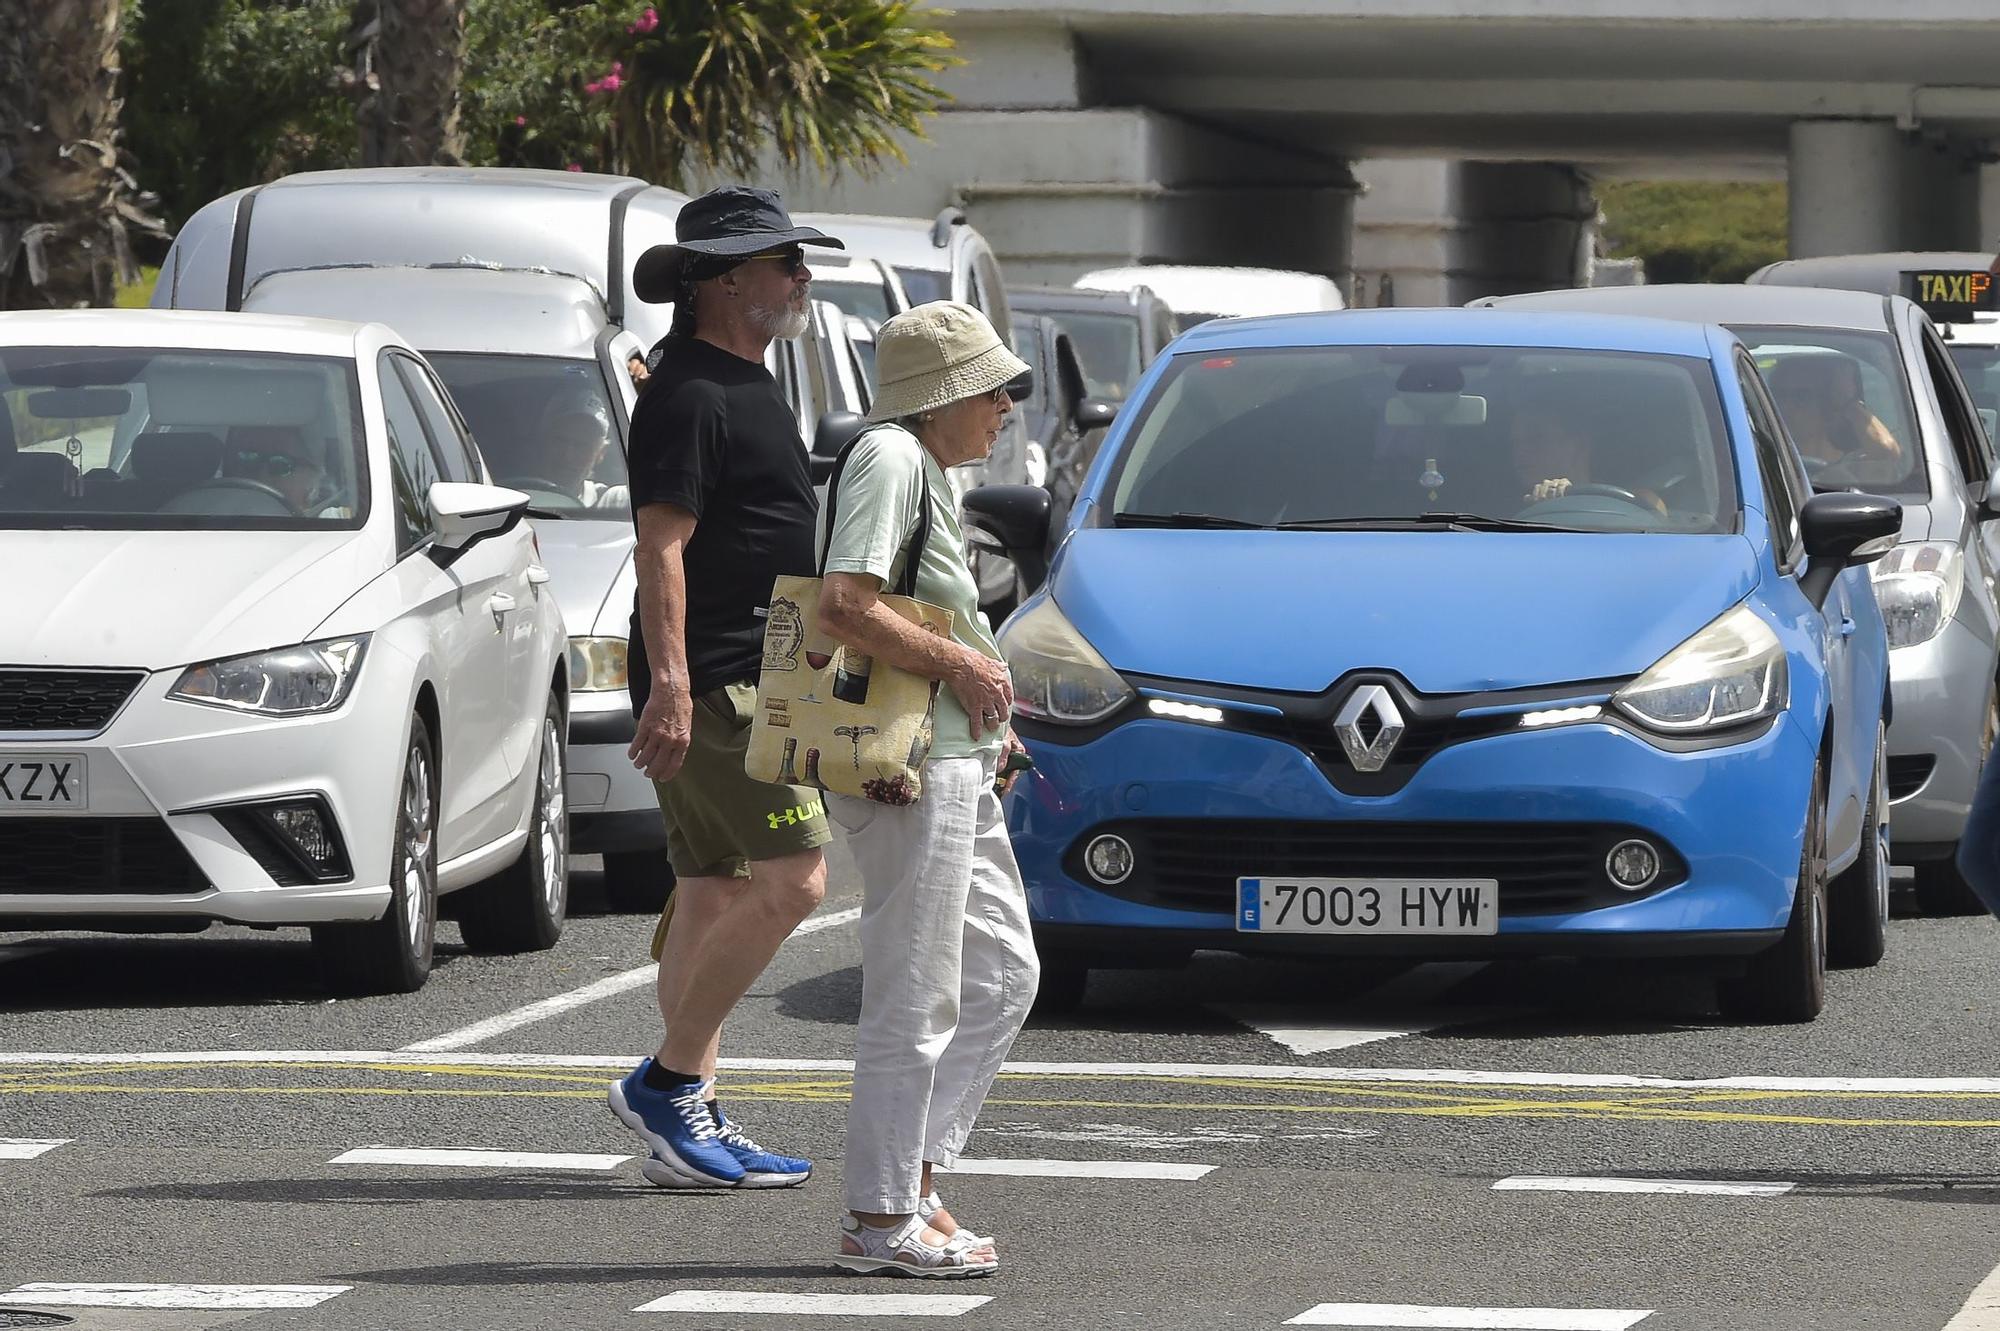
[(1368, 906), (43, 783)]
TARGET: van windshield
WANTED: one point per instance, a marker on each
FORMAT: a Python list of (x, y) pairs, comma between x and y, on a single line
[(544, 425), (132, 438)]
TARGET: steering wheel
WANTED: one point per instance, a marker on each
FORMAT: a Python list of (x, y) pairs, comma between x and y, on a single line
[(1607, 491), (241, 484), (541, 487)]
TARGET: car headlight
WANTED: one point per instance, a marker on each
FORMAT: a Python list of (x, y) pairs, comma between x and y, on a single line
[(597, 665), (1918, 587), (1058, 676), (1731, 673), (291, 681)]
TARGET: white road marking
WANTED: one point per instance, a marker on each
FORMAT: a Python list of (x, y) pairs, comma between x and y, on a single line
[(467, 1159), (1471, 1319), (1171, 1071), (1673, 1186), (52, 1295), (1981, 1311), (1129, 1136), (608, 987), (815, 1305), (1411, 1000), (27, 1148), (1137, 1169)]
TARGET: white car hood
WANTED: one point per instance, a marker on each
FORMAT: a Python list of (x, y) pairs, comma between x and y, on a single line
[(157, 599), (590, 571)]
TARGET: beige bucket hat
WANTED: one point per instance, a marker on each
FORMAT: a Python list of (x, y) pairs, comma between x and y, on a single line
[(935, 355)]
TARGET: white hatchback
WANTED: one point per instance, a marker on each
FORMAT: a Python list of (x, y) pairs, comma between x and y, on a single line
[(276, 652)]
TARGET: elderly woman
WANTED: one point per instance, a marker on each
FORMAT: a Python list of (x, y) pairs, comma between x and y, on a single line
[(948, 965)]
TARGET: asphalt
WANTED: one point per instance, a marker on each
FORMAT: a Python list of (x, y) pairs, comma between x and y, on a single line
[(202, 1087)]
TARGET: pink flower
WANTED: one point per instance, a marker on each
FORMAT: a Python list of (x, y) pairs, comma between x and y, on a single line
[(617, 67), (594, 87), (573, 166), (646, 21), (612, 83), (520, 120)]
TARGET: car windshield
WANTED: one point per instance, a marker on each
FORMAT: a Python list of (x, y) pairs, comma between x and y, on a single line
[(1489, 438), (1980, 368), (1846, 406), (863, 300), (1108, 346), (923, 285), (130, 438), (544, 426)]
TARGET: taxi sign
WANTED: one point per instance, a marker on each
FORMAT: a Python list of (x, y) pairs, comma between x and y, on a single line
[(1951, 296)]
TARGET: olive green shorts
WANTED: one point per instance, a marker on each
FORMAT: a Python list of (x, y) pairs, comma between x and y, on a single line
[(718, 819)]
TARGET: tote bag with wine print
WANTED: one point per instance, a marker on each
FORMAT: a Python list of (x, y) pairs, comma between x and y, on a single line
[(834, 718)]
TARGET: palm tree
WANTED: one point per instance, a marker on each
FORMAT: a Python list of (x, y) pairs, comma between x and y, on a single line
[(409, 56), (826, 83), (63, 200)]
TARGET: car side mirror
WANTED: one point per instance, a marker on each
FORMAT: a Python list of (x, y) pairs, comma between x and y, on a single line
[(1012, 521), (1989, 506), (1094, 413), (1844, 530), (463, 514), (835, 431)]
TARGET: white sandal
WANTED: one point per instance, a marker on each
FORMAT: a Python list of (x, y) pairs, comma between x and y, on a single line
[(902, 1252), (930, 1204)]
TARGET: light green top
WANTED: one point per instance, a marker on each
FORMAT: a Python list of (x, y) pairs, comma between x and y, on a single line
[(876, 514)]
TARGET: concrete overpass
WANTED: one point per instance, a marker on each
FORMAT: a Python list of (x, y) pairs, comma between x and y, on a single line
[(1445, 144)]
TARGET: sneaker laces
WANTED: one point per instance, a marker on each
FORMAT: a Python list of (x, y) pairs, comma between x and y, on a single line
[(734, 1136), (694, 1113)]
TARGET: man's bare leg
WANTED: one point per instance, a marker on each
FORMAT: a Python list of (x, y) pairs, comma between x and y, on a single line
[(698, 904)]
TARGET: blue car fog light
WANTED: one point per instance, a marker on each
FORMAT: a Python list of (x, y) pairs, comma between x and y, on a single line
[(1109, 859), (1633, 865)]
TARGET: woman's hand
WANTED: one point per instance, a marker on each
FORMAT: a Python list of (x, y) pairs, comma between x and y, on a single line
[(985, 689)]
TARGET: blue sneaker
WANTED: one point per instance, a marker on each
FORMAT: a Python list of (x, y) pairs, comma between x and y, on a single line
[(680, 1131), (761, 1168)]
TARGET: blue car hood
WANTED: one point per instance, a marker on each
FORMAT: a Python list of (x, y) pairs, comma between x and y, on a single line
[(1449, 611)]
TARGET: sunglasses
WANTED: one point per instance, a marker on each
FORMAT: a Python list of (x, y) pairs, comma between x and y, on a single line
[(794, 260)]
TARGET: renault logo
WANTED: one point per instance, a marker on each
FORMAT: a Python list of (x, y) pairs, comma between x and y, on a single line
[(1369, 755)]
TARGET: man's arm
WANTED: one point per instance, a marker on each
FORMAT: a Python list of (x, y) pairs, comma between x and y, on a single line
[(851, 611), (666, 724)]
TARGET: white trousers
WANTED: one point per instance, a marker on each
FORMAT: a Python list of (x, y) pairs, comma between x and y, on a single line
[(948, 973)]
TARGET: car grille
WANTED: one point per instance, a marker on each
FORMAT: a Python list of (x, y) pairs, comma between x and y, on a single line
[(72, 700), (1542, 868), (81, 856), (1908, 772)]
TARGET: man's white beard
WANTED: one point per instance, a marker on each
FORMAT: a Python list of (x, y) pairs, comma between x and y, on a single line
[(782, 324)]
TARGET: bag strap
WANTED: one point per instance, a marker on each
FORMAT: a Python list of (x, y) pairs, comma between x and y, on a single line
[(919, 539)]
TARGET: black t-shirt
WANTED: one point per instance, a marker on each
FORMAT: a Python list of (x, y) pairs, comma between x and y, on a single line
[(712, 434)]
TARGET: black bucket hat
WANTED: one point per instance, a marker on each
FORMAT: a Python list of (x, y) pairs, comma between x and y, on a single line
[(732, 222)]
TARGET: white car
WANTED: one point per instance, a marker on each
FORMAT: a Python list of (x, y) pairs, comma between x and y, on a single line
[(284, 659), (1200, 294)]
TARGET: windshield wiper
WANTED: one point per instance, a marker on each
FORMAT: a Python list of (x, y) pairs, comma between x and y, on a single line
[(1187, 520), (534, 512), (1421, 522)]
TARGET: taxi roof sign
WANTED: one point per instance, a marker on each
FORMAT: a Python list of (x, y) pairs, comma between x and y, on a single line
[(1952, 296)]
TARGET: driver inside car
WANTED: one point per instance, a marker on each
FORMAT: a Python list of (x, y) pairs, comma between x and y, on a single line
[(281, 457), (1552, 454)]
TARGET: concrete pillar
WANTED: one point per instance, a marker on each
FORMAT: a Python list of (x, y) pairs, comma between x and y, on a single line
[(1846, 182), (1429, 231), (1989, 207)]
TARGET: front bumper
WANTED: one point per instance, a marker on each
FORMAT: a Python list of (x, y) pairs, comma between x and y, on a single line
[(1735, 816), (612, 806), (1940, 690), (163, 770)]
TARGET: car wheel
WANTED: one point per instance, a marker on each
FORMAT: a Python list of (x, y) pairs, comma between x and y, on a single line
[(1787, 983), (1065, 975), (1858, 900), (523, 908), (392, 955), (638, 882)]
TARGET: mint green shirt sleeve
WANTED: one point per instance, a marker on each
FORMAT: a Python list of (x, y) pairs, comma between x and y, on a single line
[(875, 513)]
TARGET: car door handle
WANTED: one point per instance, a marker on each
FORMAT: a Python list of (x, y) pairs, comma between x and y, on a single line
[(1846, 628), (500, 604), (537, 576)]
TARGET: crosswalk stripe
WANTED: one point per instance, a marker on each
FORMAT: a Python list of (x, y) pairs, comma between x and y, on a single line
[(815, 1305), (1121, 1169), (1470, 1319), (1982, 1308), (48, 1294), (1671, 1186), (469, 1159), (27, 1148)]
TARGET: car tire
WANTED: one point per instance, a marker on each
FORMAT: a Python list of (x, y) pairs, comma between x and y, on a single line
[(638, 882), (1065, 976), (393, 955), (1858, 900), (1787, 982), (523, 908)]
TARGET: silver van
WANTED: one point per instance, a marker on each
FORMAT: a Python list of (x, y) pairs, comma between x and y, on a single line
[(1937, 588)]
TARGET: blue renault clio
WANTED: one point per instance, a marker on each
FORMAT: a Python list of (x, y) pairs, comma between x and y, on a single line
[(1453, 633)]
